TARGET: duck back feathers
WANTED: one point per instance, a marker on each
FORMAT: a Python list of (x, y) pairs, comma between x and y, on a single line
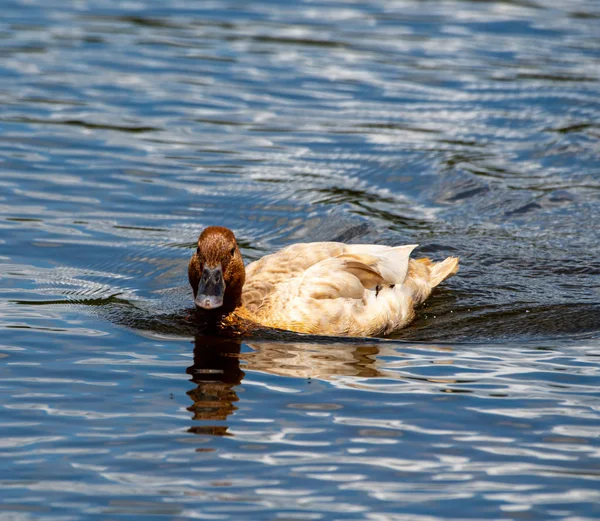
[(338, 289)]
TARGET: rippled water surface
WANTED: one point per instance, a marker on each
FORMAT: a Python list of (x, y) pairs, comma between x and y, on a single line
[(471, 128)]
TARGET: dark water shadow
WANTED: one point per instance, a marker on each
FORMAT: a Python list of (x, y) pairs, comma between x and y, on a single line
[(442, 320)]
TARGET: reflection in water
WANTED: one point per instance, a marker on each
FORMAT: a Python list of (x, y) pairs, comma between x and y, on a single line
[(216, 372), (310, 360)]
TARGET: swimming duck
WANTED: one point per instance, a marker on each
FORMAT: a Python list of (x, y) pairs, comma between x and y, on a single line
[(325, 288)]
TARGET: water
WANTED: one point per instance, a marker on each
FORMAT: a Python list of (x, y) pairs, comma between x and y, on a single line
[(470, 128)]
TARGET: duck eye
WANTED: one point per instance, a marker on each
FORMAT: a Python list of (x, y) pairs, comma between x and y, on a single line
[(198, 250), (233, 251)]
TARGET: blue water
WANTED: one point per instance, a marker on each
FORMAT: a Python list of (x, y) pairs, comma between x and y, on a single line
[(470, 128)]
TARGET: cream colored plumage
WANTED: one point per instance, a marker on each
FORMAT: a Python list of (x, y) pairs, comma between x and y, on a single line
[(325, 288), (333, 288)]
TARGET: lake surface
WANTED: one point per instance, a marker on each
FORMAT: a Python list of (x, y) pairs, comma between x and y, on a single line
[(470, 128)]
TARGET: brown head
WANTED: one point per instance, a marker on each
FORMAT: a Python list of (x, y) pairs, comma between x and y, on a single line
[(216, 271)]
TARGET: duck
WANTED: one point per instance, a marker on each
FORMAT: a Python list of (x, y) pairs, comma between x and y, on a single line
[(317, 288)]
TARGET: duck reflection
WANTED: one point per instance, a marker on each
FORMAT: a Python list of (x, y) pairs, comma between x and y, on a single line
[(217, 371), (310, 360)]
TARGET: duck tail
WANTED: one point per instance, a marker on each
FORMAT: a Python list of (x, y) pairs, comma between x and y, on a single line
[(440, 271)]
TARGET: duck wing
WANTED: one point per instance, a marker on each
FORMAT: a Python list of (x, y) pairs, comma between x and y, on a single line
[(268, 275), (357, 268)]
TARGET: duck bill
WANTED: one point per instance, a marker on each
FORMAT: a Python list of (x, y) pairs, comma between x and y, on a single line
[(211, 289)]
